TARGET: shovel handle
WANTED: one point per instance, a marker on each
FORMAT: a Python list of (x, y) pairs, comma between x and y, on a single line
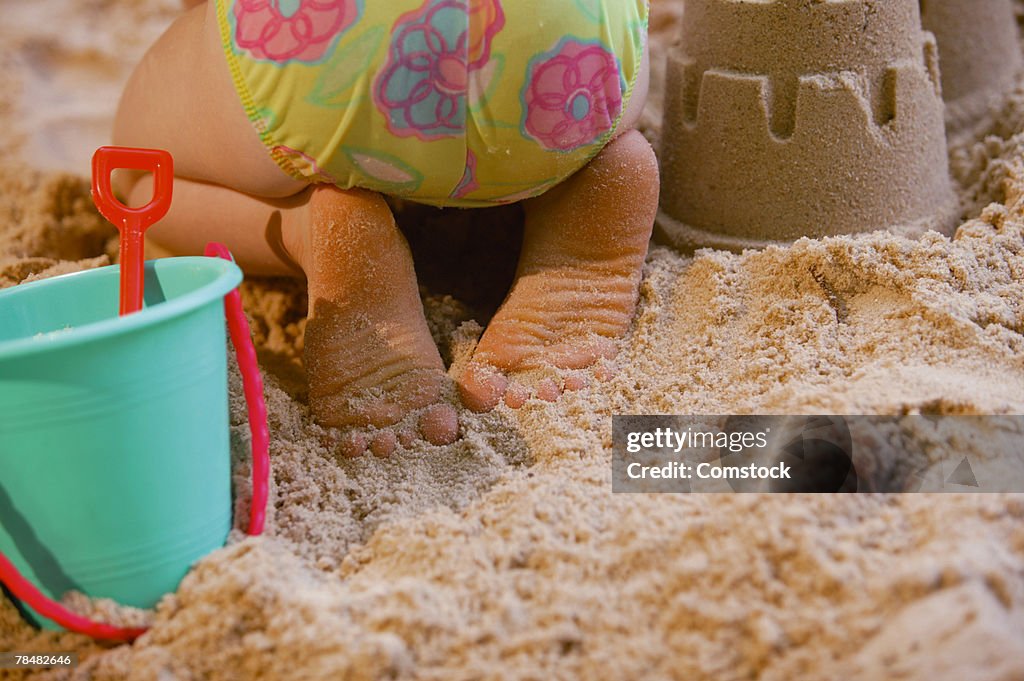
[(156, 161), (132, 222)]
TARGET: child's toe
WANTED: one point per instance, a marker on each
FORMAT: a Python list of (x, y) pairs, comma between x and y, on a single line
[(548, 390), (516, 395), (384, 443), (481, 387), (439, 424), (354, 444)]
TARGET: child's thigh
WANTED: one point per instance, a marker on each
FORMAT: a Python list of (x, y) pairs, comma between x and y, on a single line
[(181, 98)]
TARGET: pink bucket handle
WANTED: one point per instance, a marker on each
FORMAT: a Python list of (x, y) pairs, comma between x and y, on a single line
[(241, 339), (252, 382)]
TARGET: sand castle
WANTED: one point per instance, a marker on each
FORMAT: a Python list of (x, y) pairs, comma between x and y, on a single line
[(979, 54), (791, 118)]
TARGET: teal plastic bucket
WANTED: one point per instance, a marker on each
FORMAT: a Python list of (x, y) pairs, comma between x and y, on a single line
[(114, 442)]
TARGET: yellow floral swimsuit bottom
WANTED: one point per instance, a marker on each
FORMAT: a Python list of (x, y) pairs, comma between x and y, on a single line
[(445, 102)]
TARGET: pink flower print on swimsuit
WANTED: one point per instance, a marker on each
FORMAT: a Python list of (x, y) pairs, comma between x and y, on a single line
[(422, 89), (573, 95), (292, 30)]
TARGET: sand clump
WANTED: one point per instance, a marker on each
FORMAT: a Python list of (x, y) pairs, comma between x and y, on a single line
[(802, 118), (48, 226), (506, 556)]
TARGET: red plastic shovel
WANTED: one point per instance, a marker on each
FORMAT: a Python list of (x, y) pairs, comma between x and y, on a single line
[(132, 222)]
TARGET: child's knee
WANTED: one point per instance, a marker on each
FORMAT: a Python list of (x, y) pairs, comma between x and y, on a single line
[(342, 225), (633, 157), (352, 215)]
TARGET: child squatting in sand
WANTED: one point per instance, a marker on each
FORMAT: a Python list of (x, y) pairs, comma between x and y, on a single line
[(289, 120)]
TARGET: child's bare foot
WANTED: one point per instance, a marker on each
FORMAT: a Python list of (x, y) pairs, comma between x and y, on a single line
[(578, 279), (371, 361)]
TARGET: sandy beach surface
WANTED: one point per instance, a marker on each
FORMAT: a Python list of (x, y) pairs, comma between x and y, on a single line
[(505, 555)]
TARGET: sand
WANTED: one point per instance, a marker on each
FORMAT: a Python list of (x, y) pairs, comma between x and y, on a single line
[(505, 555)]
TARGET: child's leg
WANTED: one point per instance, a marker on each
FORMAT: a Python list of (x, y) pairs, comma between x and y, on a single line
[(578, 278), (253, 227), (181, 98), (369, 352)]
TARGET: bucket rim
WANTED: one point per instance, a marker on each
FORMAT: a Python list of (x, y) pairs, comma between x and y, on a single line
[(229, 277)]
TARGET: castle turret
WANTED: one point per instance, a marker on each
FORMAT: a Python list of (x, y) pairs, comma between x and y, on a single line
[(979, 55), (791, 118)]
